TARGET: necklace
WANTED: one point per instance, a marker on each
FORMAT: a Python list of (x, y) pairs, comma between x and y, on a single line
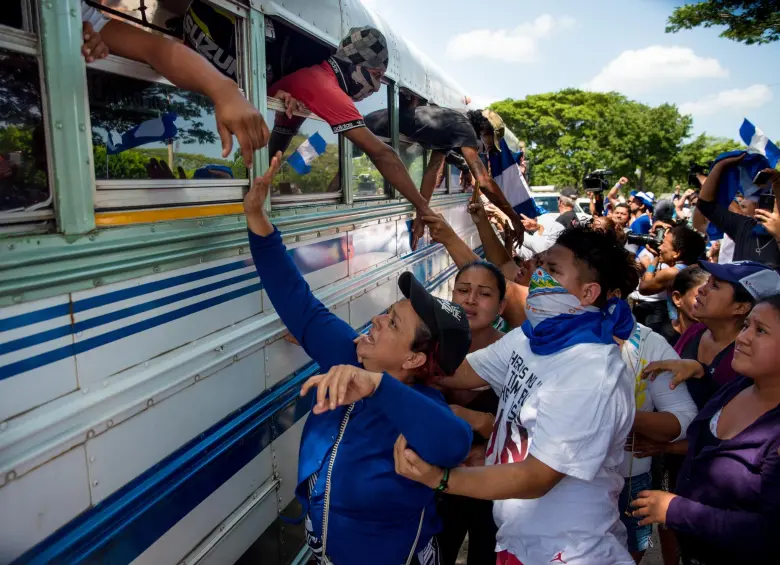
[(760, 247)]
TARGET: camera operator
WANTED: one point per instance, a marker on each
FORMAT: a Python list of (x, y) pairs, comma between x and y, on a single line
[(681, 247), (752, 240)]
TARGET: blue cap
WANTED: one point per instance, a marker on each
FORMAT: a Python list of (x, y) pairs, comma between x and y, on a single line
[(633, 193), (757, 279), (645, 198)]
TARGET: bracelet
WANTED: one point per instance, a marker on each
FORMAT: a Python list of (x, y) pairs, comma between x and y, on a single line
[(651, 268), (443, 484)]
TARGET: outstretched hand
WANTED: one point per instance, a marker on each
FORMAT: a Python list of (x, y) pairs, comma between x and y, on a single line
[(341, 386), (235, 115), (255, 199)]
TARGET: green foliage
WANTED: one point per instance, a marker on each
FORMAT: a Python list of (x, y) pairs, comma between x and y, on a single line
[(323, 169), (572, 132), (131, 164), (746, 21)]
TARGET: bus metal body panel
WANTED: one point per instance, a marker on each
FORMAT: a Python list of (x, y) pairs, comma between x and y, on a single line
[(157, 361)]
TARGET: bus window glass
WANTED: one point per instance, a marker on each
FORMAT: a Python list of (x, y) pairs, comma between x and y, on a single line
[(454, 179), (17, 14), (366, 179), (152, 130), (413, 156), (315, 172), (23, 164)]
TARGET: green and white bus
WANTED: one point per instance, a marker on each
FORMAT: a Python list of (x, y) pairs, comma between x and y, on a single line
[(149, 409)]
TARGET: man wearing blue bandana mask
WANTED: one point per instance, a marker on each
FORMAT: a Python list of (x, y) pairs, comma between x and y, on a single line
[(566, 407)]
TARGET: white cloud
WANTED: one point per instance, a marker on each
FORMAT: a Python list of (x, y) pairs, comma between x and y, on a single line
[(512, 45), (634, 72), (731, 101)]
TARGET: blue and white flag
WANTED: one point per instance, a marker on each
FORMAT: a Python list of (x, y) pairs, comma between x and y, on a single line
[(761, 154), (505, 168), (150, 131), (306, 153)]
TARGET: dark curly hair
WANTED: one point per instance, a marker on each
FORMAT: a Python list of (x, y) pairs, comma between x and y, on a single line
[(479, 122), (608, 263), (688, 243)]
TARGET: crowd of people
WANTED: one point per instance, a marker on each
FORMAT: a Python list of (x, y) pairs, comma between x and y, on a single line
[(585, 381), (534, 411)]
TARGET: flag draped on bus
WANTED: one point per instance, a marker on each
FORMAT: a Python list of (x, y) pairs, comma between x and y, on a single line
[(505, 168)]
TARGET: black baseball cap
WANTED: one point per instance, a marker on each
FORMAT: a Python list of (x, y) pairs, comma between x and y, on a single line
[(447, 321)]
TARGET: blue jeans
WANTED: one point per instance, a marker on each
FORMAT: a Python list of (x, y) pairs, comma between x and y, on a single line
[(638, 536)]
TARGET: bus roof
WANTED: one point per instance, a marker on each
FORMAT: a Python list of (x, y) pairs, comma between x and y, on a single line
[(331, 20)]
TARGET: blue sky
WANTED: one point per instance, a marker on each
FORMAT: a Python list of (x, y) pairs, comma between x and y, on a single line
[(511, 48)]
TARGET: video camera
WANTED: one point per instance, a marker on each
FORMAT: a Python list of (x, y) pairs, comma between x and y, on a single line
[(696, 169), (652, 240), (596, 181)]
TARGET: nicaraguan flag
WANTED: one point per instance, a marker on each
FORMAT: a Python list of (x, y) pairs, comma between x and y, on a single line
[(306, 153), (761, 154), (150, 131), (505, 168)]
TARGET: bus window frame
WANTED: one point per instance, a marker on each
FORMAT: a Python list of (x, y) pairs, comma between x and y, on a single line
[(132, 194), (387, 192), (27, 42), (291, 200)]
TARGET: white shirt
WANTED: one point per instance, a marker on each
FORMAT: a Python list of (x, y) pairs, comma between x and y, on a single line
[(572, 411), (535, 243), (726, 254), (643, 347), (637, 296), (93, 16)]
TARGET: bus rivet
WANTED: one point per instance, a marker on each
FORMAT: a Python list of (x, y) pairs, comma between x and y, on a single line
[(17, 299), (95, 483), (92, 459), (92, 237), (82, 127), (200, 222), (85, 390), (58, 125), (110, 423), (154, 229), (235, 358), (240, 250), (149, 402), (156, 269), (10, 476)]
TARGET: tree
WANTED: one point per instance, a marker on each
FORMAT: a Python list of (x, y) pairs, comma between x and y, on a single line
[(747, 21), (571, 132)]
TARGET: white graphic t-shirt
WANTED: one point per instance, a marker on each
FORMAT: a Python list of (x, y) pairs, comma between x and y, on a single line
[(572, 411), (642, 348)]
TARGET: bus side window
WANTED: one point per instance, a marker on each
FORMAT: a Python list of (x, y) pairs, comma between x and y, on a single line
[(157, 145), (25, 194), (367, 181), (288, 50)]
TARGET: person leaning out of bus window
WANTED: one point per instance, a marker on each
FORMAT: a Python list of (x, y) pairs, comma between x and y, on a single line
[(330, 91), (185, 68), (372, 388)]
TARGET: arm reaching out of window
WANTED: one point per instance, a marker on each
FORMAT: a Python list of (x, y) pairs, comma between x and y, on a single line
[(188, 70)]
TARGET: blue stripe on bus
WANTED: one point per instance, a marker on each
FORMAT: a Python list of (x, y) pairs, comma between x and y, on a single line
[(49, 357), (154, 286), (48, 335), (29, 318), (121, 527)]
